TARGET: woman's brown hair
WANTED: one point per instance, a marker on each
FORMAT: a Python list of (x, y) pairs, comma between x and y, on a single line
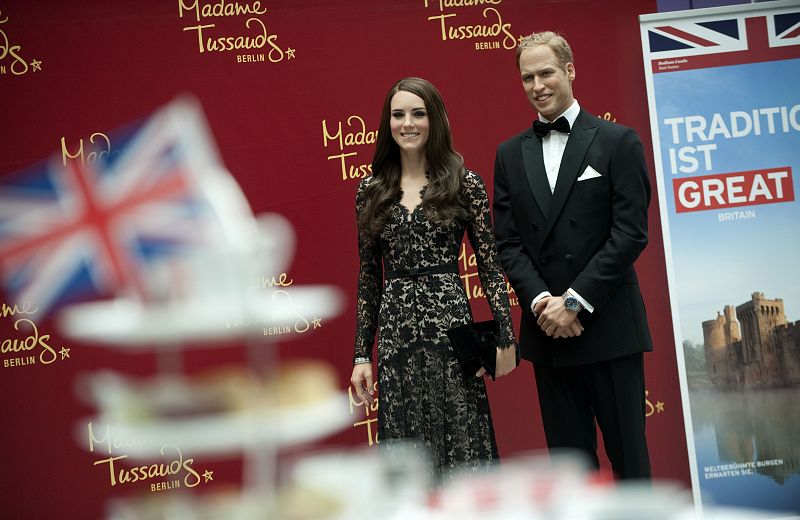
[(441, 201)]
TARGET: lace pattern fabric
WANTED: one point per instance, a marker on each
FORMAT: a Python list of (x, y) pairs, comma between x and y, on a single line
[(424, 393)]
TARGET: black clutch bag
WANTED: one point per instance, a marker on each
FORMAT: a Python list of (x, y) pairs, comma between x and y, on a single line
[(475, 346)]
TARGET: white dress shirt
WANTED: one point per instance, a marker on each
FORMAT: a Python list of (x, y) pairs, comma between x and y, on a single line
[(553, 145)]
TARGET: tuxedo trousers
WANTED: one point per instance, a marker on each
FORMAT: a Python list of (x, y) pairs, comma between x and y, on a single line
[(575, 400)]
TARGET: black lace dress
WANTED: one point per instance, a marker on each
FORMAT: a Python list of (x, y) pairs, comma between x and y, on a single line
[(425, 395)]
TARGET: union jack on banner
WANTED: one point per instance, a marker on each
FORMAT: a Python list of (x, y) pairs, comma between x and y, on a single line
[(724, 40), (72, 230), (784, 29), (691, 38)]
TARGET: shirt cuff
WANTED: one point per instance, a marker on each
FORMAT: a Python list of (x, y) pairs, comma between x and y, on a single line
[(586, 305)]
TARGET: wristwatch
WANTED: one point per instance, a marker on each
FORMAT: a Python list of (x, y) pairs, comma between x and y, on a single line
[(571, 303)]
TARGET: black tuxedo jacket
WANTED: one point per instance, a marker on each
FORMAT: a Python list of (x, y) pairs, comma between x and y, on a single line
[(585, 235)]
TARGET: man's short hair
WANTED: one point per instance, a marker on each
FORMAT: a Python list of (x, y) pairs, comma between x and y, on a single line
[(553, 40)]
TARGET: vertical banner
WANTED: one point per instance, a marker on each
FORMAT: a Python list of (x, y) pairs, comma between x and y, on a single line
[(725, 117)]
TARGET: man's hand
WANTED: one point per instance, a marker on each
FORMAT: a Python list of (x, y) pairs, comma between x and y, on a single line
[(540, 305), (570, 331), (555, 320)]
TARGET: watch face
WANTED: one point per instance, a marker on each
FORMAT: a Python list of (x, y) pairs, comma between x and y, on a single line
[(571, 303)]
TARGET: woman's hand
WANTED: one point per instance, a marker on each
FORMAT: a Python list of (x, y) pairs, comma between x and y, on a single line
[(362, 381), (505, 362)]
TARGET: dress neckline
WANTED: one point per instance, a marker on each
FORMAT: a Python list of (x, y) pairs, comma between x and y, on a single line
[(409, 212)]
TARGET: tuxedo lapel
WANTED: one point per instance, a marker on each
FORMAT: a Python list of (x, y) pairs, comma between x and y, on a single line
[(580, 138), (535, 172)]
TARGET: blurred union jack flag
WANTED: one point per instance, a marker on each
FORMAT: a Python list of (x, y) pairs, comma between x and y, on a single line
[(73, 230)]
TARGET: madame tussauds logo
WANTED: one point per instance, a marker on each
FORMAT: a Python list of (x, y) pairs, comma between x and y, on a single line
[(11, 55), (98, 145), (251, 43), (27, 345), (174, 472), (459, 20), (345, 138)]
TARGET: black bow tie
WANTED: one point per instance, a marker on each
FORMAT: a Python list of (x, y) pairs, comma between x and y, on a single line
[(541, 129)]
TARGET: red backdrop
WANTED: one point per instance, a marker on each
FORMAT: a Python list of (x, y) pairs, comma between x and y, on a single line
[(70, 69)]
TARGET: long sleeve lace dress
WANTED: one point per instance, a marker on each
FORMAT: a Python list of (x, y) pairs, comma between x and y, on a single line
[(409, 287)]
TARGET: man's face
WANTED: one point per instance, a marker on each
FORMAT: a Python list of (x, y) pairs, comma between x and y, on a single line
[(547, 83)]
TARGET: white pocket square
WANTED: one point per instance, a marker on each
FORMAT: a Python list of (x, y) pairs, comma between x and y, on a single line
[(589, 173)]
